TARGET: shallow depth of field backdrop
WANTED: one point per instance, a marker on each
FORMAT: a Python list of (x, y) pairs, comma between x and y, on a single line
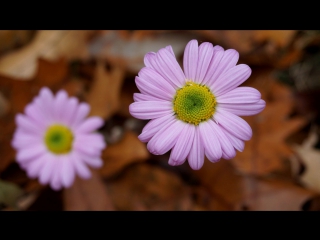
[(278, 169)]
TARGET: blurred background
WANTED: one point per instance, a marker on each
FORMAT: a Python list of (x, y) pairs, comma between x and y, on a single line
[(278, 169)]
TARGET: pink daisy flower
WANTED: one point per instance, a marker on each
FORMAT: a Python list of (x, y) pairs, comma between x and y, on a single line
[(195, 112), (55, 142)]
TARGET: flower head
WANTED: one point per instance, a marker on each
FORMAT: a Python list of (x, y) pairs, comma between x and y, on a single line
[(54, 140), (195, 112)]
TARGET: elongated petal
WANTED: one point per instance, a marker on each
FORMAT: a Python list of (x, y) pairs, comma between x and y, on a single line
[(138, 97), (60, 104), (149, 60), (45, 102), (233, 124), (246, 109), (90, 124), (217, 55), (56, 180), (204, 59), (34, 167), (154, 126), (210, 141), (164, 140), (94, 162), (36, 115), (153, 77), (80, 168), (91, 140), (196, 155), (170, 68), (228, 150), (27, 125), (182, 147), (22, 139), (69, 111), (150, 109), (148, 88), (236, 142), (240, 95), (229, 60), (67, 172), (230, 79), (81, 112), (47, 169), (190, 60), (30, 153)]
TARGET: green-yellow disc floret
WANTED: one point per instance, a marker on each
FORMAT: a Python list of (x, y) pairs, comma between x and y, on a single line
[(58, 139), (194, 103)]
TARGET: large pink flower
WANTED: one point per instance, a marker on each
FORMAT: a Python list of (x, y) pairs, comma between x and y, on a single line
[(54, 140), (195, 112)]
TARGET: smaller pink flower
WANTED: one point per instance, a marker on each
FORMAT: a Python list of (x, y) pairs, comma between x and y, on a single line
[(54, 140)]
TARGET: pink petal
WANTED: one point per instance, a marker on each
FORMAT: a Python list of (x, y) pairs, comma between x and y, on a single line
[(28, 125), (230, 79), (236, 142), (153, 77), (210, 141), (45, 102), (22, 139), (67, 172), (183, 145), (36, 115), (170, 68), (90, 124), (240, 95), (228, 61), (150, 109), (233, 124), (217, 55), (154, 126), (94, 162), (86, 148), (228, 150), (164, 140), (80, 114), (190, 60), (204, 59), (69, 111), (148, 88), (47, 169), (196, 155), (30, 153), (94, 140), (56, 181), (246, 109), (81, 169), (34, 167), (169, 48), (149, 60), (138, 97), (60, 104)]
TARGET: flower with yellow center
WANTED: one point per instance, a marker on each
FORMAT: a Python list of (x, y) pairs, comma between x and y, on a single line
[(195, 112), (55, 141)]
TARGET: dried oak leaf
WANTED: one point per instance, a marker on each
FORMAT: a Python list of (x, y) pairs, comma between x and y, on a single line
[(310, 158), (47, 44), (267, 150), (147, 187), (245, 192), (104, 94), (19, 93), (123, 153)]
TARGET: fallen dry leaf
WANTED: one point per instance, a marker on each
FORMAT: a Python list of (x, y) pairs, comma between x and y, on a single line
[(147, 187), (87, 195), (267, 150), (310, 158), (104, 94), (123, 153), (47, 44), (245, 192)]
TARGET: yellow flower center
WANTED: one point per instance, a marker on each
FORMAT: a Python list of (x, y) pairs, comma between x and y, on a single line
[(194, 103), (58, 139)]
